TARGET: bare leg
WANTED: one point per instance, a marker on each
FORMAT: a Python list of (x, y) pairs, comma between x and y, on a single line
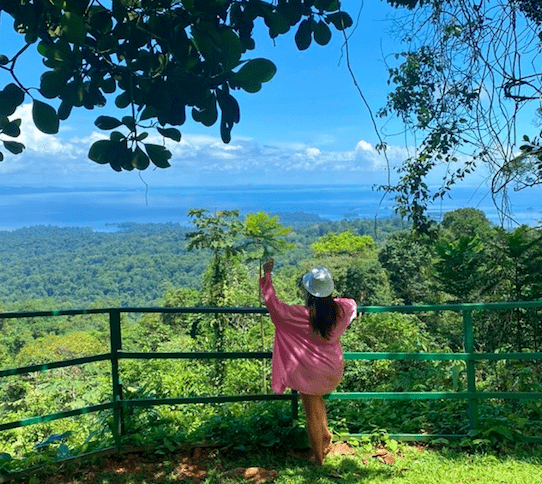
[(315, 409), (327, 433)]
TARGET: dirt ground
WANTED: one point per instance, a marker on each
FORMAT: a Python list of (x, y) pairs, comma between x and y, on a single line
[(192, 465)]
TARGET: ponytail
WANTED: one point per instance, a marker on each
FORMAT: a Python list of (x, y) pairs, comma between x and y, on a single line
[(323, 314)]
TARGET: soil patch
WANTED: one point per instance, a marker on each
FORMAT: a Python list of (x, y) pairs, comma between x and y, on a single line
[(186, 466)]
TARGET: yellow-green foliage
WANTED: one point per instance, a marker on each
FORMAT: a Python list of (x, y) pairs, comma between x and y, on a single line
[(345, 243), (265, 236), (57, 348)]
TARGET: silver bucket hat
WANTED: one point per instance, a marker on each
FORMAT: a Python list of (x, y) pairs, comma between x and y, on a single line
[(318, 282)]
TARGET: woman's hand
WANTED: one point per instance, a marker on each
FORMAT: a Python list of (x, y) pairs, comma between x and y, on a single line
[(268, 266)]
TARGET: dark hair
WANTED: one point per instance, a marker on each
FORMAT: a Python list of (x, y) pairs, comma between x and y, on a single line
[(323, 314)]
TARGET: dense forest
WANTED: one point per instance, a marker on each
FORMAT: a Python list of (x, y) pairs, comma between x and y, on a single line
[(215, 262), (46, 267)]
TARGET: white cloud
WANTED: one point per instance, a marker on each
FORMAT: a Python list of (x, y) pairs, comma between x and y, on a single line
[(62, 159), (42, 144)]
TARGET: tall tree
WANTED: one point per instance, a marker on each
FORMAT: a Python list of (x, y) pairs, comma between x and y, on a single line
[(521, 263), (158, 59), (407, 260), (264, 237)]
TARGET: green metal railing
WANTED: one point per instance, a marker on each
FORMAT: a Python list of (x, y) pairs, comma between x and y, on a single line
[(118, 404)]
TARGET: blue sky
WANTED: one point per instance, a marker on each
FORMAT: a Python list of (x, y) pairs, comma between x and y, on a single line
[(307, 124)]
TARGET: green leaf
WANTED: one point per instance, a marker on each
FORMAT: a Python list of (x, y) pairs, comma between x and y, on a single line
[(123, 100), (31, 37), (205, 44), (158, 155), (341, 20), (171, 133), (148, 113), (107, 44), (232, 49), (108, 85), (10, 98), (253, 73), (64, 110), (72, 27), (327, 5), (1, 156), (129, 122), (107, 122), (3, 60), (99, 151), (14, 147), (292, 11), (100, 19), (116, 136), (15, 93), (322, 34), (303, 36), (12, 129), (140, 160), (278, 24), (206, 115), (53, 83), (45, 117), (230, 113)]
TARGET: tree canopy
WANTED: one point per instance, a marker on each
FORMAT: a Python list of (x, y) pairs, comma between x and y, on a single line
[(467, 87), (156, 58)]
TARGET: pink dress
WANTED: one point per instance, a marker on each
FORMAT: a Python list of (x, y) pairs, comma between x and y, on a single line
[(302, 359)]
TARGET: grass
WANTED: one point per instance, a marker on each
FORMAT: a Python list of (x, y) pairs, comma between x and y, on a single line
[(413, 465)]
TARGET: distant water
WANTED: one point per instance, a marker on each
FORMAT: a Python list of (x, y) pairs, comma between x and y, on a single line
[(97, 207)]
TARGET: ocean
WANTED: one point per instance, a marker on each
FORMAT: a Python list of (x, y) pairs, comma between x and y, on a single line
[(102, 207)]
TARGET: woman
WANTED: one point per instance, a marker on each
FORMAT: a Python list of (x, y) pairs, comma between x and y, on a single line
[(307, 353)]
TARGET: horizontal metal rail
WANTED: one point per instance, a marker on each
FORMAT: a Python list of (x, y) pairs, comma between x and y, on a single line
[(56, 416), (119, 404), (493, 306)]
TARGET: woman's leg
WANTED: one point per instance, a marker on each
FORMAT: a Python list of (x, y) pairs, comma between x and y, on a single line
[(326, 434), (315, 410)]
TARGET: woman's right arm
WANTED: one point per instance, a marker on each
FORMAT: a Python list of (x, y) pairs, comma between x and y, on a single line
[(278, 310)]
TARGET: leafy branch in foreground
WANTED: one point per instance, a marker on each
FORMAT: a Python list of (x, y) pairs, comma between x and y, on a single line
[(158, 60)]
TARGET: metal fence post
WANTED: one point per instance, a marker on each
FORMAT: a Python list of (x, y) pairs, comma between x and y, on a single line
[(295, 406), (468, 335), (116, 346)]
